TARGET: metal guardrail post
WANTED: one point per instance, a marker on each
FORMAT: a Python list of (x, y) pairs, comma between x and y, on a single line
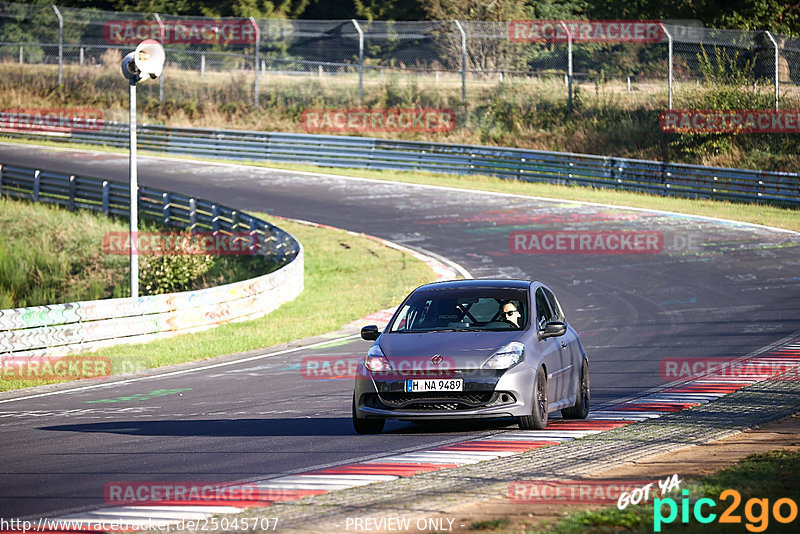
[(60, 46), (192, 214), (37, 182), (777, 68), (569, 64), (72, 188), (463, 62), (106, 190), (165, 202), (670, 62), (360, 60), (215, 218), (255, 61), (162, 32)]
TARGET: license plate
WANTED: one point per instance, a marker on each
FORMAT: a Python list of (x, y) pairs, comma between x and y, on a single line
[(434, 384)]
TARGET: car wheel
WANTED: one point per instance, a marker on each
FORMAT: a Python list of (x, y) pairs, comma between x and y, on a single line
[(581, 408), (366, 426), (537, 420)]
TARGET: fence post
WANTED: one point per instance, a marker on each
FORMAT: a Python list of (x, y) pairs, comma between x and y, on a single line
[(777, 68), (20, 56), (1, 179), (60, 45), (255, 61), (81, 57), (463, 62), (202, 65), (669, 61), (160, 78), (360, 60), (569, 64)]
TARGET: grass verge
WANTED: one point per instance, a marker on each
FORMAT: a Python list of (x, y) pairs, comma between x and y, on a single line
[(346, 277), (760, 480), (43, 248), (778, 217), (50, 255)]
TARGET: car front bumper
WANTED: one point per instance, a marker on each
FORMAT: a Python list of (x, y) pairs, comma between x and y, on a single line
[(486, 393)]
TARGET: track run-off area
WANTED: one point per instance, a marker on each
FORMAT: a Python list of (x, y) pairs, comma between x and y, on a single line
[(705, 292)]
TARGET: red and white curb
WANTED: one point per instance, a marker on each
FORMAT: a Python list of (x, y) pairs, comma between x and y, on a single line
[(685, 395)]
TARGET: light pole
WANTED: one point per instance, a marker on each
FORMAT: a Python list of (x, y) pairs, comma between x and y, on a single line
[(146, 61)]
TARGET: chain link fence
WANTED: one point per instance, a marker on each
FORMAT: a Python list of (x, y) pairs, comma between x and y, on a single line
[(244, 63)]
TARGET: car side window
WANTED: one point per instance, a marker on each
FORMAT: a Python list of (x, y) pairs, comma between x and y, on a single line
[(558, 313), (543, 312)]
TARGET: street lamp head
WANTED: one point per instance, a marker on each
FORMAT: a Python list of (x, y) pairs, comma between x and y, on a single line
[(146, 60)]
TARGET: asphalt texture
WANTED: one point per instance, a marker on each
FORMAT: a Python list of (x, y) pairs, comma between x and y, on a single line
[(711, 290)]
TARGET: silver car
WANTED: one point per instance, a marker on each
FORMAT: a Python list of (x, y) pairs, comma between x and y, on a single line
[(473, 348)]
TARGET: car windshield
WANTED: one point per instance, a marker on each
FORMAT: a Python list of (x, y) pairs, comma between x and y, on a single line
[(468, 309)]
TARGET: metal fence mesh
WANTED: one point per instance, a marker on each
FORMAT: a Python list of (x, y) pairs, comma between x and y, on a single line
[(243, 62)]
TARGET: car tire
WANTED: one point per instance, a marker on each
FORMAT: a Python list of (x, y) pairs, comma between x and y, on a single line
[(366, 426), (581, 408), (537, 420)]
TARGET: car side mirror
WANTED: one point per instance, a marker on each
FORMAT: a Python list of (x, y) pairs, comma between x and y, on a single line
[(370, 332), (551, 329)]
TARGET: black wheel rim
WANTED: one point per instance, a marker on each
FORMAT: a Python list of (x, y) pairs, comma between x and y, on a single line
[(541, 396), (585, 387)]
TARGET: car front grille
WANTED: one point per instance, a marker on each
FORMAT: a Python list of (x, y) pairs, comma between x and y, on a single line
[(437, 401)]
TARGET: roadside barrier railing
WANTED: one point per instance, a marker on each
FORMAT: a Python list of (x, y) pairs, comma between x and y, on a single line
[(81, 326), (673, 179)]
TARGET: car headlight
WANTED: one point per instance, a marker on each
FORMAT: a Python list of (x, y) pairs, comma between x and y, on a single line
[(376, 361), (505, 357)]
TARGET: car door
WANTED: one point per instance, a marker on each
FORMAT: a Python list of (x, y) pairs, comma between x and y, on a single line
[(550, 349), (571, 357)]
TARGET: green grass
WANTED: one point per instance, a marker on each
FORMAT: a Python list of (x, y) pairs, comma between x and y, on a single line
[(489, 524), (50, 255), (346, 277), (773, 475)]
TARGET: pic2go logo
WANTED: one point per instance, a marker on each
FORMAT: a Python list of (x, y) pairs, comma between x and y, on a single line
[(756, 511)]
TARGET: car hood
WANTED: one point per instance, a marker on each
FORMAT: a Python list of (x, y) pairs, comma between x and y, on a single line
[(457, 350)]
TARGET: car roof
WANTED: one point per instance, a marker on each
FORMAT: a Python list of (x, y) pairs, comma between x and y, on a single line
[(475, 283)]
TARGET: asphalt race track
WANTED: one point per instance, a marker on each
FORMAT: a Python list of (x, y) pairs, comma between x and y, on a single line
[(710, 290)]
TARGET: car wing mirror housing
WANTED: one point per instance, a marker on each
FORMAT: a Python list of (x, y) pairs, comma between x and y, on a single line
[(370, 332), (551, 329)]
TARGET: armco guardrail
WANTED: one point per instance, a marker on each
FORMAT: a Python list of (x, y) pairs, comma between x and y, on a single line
[(80, 326), (673, 179)]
